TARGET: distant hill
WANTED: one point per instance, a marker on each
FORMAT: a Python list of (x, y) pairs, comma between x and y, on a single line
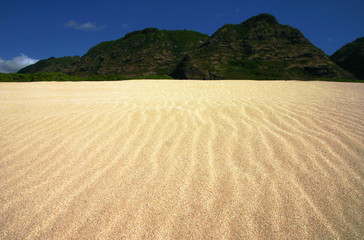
[(351, 57), (145, 52), (52, 64), (259, 48)]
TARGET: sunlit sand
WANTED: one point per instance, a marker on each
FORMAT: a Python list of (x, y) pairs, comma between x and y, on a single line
[(182, 160)]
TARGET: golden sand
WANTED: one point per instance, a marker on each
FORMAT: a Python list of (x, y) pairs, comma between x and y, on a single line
[(182, 160)]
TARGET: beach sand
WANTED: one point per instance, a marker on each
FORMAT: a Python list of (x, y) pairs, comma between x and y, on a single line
[(156, 159)]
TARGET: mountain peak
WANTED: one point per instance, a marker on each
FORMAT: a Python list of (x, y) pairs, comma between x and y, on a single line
[(258, 48), (144, 52), (144, 31), (264, 17)]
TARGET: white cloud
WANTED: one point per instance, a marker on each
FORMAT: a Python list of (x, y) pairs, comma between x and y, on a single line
[(88, 26), (15, 64), (125, 25)]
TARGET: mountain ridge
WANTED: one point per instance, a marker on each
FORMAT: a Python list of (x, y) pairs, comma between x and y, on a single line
[(258, 48)]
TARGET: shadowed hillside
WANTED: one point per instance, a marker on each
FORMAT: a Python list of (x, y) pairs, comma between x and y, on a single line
[(351, 57)]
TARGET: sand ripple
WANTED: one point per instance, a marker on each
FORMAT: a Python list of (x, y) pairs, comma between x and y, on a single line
[(182, 160)]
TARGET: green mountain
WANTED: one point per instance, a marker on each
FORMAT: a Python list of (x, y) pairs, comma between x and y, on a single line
[(140, 53), (259, 48), (351, 57), (146, 52), (62, 64)]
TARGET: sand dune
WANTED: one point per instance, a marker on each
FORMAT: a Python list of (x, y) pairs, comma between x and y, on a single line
[(182, 160)]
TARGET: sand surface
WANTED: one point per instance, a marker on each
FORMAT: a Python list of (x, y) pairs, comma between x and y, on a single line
[(182, 160)]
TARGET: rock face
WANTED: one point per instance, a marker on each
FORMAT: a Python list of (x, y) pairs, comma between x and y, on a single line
[(62, 64), (351, 57), (259, 48), (139, 53)]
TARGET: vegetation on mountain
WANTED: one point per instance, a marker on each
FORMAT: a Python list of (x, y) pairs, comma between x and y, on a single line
[(60, 77), (259, 48), (351, 57), (52, 64), (146, 52)]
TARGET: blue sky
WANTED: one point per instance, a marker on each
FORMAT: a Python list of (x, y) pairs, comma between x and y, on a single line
[(39, 29)]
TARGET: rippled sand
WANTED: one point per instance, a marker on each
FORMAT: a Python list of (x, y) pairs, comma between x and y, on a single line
[(182, 160)]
